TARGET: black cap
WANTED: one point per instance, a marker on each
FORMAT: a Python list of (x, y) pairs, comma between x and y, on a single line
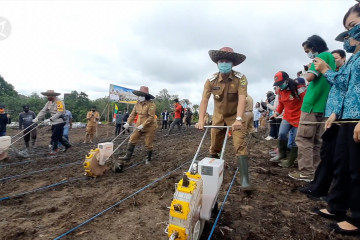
[(2, 106)]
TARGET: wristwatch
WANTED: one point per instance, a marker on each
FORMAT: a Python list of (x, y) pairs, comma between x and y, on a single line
[(239, 118)]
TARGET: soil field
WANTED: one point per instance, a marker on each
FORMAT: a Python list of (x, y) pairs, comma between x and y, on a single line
[(276, 210)]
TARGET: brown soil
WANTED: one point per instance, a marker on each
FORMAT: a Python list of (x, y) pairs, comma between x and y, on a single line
[(276, 210)]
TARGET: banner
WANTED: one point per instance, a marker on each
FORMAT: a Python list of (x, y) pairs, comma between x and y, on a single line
[(122, 94)]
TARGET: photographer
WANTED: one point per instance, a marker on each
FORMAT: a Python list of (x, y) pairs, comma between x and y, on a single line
[(271, 104), (92, 118)]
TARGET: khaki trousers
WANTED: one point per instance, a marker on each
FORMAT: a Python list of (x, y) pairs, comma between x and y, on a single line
[(249, 122), (149, 137), (218, 136), (308, 140)]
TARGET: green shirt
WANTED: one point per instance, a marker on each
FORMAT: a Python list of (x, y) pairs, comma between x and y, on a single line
[(318, 89)]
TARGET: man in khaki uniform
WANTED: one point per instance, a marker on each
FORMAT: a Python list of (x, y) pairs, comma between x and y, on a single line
[(56, 107), (229, 89), (249, 114), (146, 123), (92, 118)]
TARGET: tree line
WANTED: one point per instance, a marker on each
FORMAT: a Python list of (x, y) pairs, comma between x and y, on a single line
[(79, 103)]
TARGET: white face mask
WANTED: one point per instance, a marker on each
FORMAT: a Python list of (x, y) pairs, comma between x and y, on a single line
[(141, 99), (312, 55)]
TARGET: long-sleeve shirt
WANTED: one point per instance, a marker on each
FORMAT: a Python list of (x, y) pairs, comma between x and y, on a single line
[(146, 114), (3, 121), (56, 109), (344, 100), (25, 119), (291, 105), (93, 118)]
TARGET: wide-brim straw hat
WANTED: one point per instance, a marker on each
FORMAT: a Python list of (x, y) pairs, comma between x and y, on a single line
[(50, 93), (144, 91), (226, 53)]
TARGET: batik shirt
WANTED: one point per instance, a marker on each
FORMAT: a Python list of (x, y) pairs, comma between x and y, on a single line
[(345, 99)]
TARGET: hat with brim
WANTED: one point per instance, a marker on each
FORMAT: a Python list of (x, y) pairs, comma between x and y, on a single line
[(279, 78), (50, 93), (226, 53), (341, 37), (2, 106), (144, 91)]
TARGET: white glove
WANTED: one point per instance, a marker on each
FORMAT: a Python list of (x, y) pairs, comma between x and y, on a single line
[(140, 127), (46, 121), (35, 120), (126, 125)]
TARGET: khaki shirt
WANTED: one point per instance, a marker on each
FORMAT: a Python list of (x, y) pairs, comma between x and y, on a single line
[(249, 104), (226, 94), (56, 109), (146, 114), (93, 118)]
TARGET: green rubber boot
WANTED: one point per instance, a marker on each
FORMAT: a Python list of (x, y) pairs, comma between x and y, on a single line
[(243, 165), (282, 152), (290, 162), (129, 152)]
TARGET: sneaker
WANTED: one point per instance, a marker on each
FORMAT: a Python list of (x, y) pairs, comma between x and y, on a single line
[(54, 152), (300, 176), (269, 138)]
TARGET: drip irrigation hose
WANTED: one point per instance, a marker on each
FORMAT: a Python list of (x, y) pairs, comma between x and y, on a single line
[(15, 163), (58, 184), (43, 188), (119, 202), (222, 204), (38, 171)]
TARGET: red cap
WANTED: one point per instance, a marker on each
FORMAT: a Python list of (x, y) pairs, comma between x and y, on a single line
[(280, 77)]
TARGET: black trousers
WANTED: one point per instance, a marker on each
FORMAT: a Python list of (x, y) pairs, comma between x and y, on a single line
[(325, 171), (164, 124), (27, 134), (118, 128), (57, 136), (274, 127), (345, 192)]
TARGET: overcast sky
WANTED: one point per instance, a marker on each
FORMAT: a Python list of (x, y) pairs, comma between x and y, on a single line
[(88, 45)]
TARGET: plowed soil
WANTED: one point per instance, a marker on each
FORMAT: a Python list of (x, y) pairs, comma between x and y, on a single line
[(276, 210)]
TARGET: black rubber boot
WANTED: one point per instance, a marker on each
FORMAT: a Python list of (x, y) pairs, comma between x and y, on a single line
[(290, 162), (282, 152), (66, 143), (243, 165), (148, 158), (27, 145), (215, 155), (129, 152)]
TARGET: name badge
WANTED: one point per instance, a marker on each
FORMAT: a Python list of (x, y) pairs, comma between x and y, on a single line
[(216, 88)]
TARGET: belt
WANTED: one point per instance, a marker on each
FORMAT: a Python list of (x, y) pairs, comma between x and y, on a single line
[(249, 111)]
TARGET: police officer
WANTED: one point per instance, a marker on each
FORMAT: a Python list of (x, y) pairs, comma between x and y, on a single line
[(229, 89), (145, 125), (56, 108)]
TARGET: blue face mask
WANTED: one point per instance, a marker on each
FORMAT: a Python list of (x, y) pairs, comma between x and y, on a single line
[(312, 55), (355, 32), (225, 67), (347, 47)]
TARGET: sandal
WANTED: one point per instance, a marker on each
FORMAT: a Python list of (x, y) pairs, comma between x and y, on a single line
[(329, 215), (338, 229)]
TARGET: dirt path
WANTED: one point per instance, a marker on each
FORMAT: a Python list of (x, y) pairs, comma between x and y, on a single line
[(275, 211)]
